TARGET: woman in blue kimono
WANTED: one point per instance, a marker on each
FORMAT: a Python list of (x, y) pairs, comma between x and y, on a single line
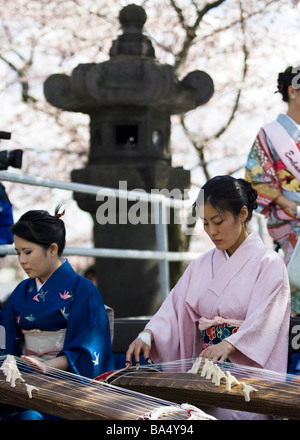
[(55, 318)]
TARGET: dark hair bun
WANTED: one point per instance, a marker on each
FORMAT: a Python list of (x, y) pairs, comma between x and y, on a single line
[(284, 80), (250, 193), (229, 194)]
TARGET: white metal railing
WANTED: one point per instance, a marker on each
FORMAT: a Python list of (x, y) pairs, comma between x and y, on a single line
[(160, 201)]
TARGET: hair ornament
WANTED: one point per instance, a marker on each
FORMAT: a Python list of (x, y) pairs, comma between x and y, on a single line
[(59, 215), (288, 70)]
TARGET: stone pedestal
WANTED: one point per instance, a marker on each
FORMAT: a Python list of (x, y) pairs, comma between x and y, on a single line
[(131, 287)]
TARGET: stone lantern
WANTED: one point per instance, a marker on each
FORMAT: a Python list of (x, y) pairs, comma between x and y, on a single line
[(130, 99)]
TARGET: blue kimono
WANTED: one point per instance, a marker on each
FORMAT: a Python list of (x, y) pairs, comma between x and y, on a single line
[(68, 304), (65, 301)]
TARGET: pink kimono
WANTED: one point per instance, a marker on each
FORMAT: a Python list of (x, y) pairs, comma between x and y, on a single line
[(250, 289)]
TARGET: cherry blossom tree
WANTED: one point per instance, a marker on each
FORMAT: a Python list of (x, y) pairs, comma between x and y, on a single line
[(242, 44)]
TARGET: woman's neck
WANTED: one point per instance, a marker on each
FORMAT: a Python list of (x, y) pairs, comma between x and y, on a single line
[(57, 264), (294, 114), (242, 237)]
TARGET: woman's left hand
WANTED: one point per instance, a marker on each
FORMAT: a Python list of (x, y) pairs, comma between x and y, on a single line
[(35, 364), (218, 352), (59, 362)]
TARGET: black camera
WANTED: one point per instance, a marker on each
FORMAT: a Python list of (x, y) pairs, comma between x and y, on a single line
[(11, 158)]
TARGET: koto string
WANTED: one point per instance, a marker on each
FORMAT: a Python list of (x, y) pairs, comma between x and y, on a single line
[(183, 365)]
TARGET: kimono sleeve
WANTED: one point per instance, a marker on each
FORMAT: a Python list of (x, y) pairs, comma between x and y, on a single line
[(88, 342), (172, 327), (13, 334), (261, 174), (263, 336), (2, 336)]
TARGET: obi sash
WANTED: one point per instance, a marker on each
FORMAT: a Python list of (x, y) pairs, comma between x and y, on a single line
[(44, 345), (217, 329)]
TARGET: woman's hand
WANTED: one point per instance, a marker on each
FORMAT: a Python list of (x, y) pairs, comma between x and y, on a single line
[(218, 352), (35, 364), (59, 362), (136, 348), (286, 203)]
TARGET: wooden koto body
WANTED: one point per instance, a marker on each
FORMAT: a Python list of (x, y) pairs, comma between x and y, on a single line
[(58, 398), (74, 397), (271, 398), (83, 399)]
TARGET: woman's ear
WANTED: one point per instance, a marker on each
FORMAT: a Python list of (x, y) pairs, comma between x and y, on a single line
[(53, 249), (244, 213), (291, 92)]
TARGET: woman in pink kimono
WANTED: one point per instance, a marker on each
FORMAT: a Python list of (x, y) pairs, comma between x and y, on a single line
[(233, 302)]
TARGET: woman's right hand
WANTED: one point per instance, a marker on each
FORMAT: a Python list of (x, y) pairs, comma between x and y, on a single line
[(135, 349)]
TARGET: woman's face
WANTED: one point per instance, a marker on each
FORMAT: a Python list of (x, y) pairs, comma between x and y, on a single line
[(36, 261), (225, 230)]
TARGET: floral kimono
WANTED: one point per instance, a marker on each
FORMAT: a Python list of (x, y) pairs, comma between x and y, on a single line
[(270, 177)]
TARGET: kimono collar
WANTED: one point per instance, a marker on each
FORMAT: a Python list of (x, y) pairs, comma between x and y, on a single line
[(224, 270), (290, 125), (62, 268), (39, 284)]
